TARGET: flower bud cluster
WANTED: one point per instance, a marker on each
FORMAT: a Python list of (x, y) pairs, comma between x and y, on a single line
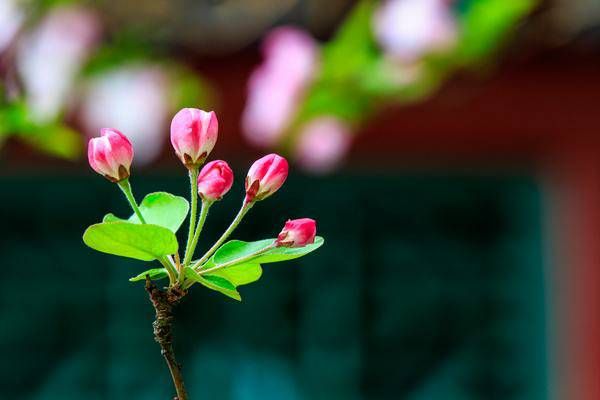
[(194, 133)]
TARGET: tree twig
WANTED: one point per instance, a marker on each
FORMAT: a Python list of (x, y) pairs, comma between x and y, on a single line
[(163, 302)]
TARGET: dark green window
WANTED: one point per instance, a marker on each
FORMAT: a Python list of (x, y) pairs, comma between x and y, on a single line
[(427, 288)]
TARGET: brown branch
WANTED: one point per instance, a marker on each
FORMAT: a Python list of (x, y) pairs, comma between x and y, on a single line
[(163, 302)]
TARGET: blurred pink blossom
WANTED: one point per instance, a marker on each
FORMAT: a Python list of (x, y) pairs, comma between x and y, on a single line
[(134, 99), (322, 144), (276, 87), (409, 29), (11, 19), (50, 57)]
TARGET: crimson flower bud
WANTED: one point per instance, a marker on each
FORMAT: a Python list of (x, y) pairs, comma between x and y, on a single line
[(193, 135), (297, 233), (111, 154), (265, 177), (215, 180)]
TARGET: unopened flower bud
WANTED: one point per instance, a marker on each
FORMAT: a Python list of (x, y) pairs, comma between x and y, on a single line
[(297, 233), (111, 154), (193, 135), (215, 180), (265, 177)]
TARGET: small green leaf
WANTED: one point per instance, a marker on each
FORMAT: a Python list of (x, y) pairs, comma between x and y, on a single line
[(218, 283), (288, 253), (240, 274), (235, 249), (142, 242), (250, 270), (112, 218), (160, 208), (155, 274)]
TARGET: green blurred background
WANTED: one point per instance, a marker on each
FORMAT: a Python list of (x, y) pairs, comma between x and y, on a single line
[(427, 288)]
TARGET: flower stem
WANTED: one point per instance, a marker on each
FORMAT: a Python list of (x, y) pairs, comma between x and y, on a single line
[(193, 211), (201, 219), (236, 221), (125, 187)]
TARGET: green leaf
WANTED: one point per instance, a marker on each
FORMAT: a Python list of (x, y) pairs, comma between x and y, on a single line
[(240, 274), (112, 218), (155, 274), (250, 270), (485, 24), (214, 282), (219, 281), (235, 249), (142, 242), (288, 253), (160, 208)]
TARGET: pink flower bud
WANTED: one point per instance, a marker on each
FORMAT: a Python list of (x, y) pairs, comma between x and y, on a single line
[(111, 154), (193, 135), (265, 177), (215, 180), (297, 233)]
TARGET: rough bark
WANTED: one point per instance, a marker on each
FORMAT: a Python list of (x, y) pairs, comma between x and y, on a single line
[(164, 301)]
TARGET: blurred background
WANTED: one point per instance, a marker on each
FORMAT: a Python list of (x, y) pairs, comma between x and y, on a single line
[(449, 150)]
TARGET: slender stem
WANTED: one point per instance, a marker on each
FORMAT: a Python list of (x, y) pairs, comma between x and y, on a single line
[(171, 271), (193, 211), (201, 219), (238, 260), (236, 221), (125, 186)]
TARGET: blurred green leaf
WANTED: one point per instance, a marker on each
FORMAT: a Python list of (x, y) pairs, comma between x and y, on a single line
[(124, 49), (154, 273), (159, 208), (57, 140), (356, 78), (353, 47), (188, 88), (125, 239), (341, 101), (486, 23), (53, 138)]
